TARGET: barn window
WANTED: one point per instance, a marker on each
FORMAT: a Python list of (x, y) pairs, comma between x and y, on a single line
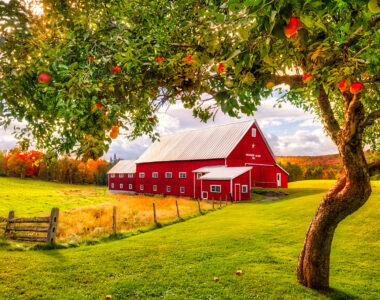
[(130, 175), (215, 188), (244, 188), (168, 175), (182, 174), (182, 189), (130, 186), (112, 185), (155, 188), (142, 175), (168, 188), (121, 185), (112, 175), (199, 175), (155, 174), (121, 175), (253, 132), (141, 187)]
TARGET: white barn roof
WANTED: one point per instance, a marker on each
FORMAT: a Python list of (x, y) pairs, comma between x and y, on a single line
[(221, 172), (206, 143), (123, 167)]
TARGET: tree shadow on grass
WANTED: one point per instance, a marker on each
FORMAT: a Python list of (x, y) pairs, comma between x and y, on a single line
[(336, 294)]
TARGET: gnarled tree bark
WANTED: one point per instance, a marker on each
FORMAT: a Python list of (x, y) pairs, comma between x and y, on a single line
[(344, 198)]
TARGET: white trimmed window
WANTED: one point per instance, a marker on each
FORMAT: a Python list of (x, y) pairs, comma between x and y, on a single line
[(155, 188), (130, 186), (199, 175), (253, 132), (112, 175), (155, 174), (182, 174), (130, 175), (182, 189), (141, 187), (168, 175), (121, 175), (141, 174), (244, 188), (215, 188), (112, 185), (168, 188), (121, 185)]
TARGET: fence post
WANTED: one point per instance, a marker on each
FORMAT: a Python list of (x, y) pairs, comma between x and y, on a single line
[(220, 201), (199, 206), (114, 220), (154, 213), (53, 224), (11, 216), (213, 205), (176, 203)]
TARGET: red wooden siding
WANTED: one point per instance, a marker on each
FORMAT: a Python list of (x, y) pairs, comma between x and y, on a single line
[(175, 182), (125, 181)]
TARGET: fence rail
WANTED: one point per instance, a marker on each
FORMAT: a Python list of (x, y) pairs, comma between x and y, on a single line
[(10, 227)]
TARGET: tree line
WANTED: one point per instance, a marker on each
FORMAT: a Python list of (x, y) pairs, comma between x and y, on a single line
[(35, 164)]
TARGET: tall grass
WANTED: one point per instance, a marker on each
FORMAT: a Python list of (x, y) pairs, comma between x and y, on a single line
[(133, 211)]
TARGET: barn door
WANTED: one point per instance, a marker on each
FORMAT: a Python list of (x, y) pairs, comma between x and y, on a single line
[(278, 179), (237, 192)]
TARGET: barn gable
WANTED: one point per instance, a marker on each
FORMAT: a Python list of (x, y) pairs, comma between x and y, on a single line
[(123, 167), (206, 143)]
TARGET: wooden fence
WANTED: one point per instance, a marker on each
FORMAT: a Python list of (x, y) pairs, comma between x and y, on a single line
[(14, 225)]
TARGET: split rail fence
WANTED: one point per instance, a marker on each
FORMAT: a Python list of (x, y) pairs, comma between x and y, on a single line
[(14, 225)]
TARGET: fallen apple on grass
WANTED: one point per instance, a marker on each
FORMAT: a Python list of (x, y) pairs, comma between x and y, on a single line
[(44, 78)]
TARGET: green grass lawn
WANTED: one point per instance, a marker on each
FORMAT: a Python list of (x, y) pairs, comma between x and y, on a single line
[(29, 197), (180, 261)]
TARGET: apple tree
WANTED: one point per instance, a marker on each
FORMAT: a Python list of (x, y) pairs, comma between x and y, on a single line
[(81, 70)]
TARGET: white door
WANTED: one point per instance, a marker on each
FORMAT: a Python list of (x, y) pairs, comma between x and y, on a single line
[(205, 195), (278, 179)]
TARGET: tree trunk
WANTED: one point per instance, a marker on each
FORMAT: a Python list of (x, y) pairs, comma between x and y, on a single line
[(344, 198)]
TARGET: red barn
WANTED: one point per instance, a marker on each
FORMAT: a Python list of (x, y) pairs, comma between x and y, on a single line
[(221, 162), (122, 177)]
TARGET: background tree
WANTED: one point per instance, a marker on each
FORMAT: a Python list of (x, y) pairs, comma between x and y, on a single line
[(85, 68)]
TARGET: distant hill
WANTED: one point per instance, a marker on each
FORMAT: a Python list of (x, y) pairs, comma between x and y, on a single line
[(316, 167)]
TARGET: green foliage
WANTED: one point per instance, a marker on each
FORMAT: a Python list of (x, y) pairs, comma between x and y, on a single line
[(337, 41), (177, 262)]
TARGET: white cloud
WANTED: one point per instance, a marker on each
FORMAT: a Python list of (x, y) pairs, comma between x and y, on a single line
[(285, 128)]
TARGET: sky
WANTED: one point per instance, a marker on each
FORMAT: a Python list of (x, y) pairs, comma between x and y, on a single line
[(289, 131)]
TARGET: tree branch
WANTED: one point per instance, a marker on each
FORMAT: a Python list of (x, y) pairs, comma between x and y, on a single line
[(327, 114), (293, 81), (371, 118), (374, 168), (182, 45)]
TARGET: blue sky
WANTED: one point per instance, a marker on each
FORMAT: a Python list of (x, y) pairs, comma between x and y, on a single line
[(289, 131)]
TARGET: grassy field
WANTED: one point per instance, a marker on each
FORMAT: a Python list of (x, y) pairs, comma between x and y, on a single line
[(180, 261), (86, 211)]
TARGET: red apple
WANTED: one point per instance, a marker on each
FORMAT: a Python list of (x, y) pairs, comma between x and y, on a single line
[(291, 29), (90, 58), (343, 86), (159, 59), (270, 84), (221, 68), (115, 129), (98, 105), (44, 78), (114, 134), (189, 58), (108, 297), (239, 272), (216, 279), (356, 88), (306, 77), (116, 70)]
